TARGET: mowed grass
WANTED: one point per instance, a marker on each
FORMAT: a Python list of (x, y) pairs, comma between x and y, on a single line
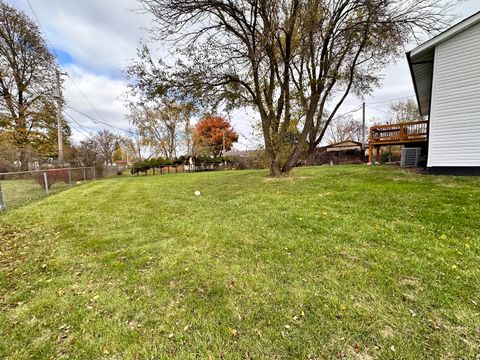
[(17, 193), (350, 262)]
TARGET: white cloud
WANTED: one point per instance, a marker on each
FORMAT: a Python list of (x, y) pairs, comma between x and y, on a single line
[(103, 100), (101, 36)]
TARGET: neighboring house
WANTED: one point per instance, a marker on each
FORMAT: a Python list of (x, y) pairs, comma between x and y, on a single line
[(344, 152), (123, 163), (446, 77)]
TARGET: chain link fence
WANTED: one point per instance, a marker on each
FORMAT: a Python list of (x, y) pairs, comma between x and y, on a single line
[(20, 188)]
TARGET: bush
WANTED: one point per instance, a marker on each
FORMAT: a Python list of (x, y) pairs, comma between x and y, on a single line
[(141, 166), (53, 176), (3, 169), (386, 156)]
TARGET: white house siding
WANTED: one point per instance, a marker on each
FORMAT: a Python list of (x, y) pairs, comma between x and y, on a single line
[(455, 110)]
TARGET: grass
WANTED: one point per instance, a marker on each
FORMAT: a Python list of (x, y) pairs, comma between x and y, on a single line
[(17, 193), (348, 262)]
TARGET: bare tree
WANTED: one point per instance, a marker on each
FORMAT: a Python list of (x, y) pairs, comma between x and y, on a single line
[(132, 146), (294, 61), (106, 143), (88, 154), (345, 129), (160, 124), (405, 111), (27, 70)]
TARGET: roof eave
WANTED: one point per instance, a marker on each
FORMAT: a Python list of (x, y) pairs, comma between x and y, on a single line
[(412, 73)]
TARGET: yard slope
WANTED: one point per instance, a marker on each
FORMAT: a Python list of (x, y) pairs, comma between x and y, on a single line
[(350, 261)]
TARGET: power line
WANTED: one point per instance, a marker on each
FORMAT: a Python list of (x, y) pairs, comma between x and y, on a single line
[(80, 131), (78, 124), (96, 121), (348, 112), (376, 109), (59, 63), (386, 101), (43, 31)]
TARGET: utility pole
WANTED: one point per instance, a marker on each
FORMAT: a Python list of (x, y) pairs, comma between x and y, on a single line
[(223, 142), (224, 160), (363, 128), (58, 96)]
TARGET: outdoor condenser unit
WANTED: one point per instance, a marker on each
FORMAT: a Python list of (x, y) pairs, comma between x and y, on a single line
[(410, 157)]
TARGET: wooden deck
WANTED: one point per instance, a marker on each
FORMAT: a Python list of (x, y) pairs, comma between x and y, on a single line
[(397, 134)]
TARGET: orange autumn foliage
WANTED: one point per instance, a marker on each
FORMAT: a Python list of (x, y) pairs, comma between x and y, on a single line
[(209, 134)]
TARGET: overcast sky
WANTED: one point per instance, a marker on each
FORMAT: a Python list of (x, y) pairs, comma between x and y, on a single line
[(95, 40)]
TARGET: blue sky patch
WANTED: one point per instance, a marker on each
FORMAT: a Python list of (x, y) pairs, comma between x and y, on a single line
[(64, 57)]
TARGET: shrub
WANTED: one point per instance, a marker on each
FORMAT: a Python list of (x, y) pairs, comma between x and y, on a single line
[(386, 156), (53, 176), (141, 166), (182, 160)]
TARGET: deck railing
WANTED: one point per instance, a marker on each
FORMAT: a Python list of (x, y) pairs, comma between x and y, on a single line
[(397, 134)]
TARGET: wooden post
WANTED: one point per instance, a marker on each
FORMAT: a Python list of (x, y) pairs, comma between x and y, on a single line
[(45, 179), (377, 159), (70, 177), (2, 203), (370, 147), (84, 175)]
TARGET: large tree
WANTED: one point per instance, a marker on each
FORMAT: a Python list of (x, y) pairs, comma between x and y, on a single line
[(295, 61), (27, 75), (160, 123), (106, 142), (214, 134)]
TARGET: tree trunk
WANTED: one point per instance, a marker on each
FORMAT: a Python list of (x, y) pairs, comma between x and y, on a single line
[(311, 154), (23, 160), (275, 169)]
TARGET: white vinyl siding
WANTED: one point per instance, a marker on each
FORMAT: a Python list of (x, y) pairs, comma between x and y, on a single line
[(455, 110)]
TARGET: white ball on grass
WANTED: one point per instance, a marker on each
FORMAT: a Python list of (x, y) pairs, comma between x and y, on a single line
[(198, 193)]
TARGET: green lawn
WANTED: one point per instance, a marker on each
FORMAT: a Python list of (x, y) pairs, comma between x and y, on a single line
[(18, 193), (350, 262)]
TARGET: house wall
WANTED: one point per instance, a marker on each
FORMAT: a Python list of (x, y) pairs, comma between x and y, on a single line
[(454, 138)]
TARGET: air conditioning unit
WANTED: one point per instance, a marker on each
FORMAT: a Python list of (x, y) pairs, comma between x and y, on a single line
[(410, 157)]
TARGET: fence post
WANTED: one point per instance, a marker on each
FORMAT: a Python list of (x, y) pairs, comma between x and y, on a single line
[(94, 178), (84, 175), (45, 179), (2, 203), (70, 177)]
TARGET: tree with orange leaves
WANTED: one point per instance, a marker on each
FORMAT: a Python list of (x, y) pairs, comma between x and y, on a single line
[(214, 134)]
